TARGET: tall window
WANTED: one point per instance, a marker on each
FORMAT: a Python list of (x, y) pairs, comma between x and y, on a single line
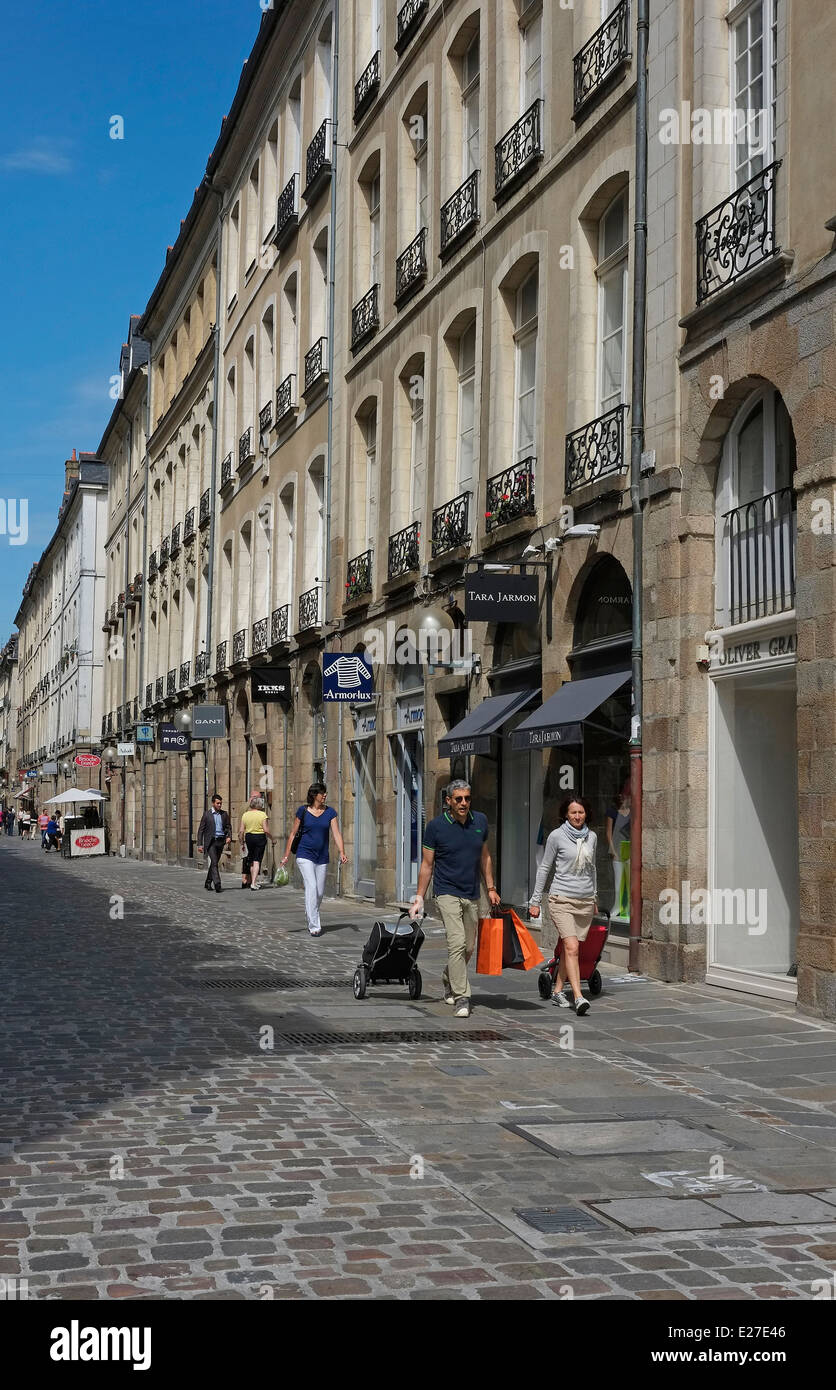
[(232, 252), (531, 62), (612, 305), (251, 229), (470, 109), (466, 409), (525, 341), (374, 230), (286, 542), (289, 346), (370, 442), (417, 460), (753, 88), (266, 358), (270, 191), (293, 133), (422, 192)]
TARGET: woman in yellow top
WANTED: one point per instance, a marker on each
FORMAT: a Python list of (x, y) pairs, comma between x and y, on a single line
[(255, 830)]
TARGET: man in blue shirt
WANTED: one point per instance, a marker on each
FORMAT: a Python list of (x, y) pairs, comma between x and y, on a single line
[(455, 853), (213, 835)]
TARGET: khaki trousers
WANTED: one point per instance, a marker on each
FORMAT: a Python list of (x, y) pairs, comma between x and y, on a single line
[(461, 920)]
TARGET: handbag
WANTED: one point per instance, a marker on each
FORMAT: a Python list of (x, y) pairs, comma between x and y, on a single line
[(489, 946), (294, 844), (529, 951)]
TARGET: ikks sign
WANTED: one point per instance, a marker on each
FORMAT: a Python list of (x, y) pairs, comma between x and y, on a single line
[(87, 760), (501, 598), (269, 684)]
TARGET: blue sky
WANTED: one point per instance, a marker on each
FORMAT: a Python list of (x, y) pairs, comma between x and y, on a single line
[(86, 219)]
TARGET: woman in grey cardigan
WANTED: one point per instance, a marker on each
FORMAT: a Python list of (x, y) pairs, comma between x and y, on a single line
[(573, 896)]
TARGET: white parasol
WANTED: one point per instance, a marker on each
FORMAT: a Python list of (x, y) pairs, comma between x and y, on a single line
[(74, 794)]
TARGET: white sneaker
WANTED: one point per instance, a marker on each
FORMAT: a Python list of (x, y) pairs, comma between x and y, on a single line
[(462, 1008), (561, 1001)]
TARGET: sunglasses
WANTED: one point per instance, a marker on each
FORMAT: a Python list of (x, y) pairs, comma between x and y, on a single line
[(461, 798)]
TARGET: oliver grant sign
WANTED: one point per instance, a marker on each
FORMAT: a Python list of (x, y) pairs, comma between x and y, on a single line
[(501, 598), (757, 651)]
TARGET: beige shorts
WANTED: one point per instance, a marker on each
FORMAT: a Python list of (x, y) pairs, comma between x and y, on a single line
[(572, 916)]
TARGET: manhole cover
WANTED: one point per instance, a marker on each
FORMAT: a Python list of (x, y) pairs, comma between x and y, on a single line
[(291, 1042), (261, 982), (553, 1220)]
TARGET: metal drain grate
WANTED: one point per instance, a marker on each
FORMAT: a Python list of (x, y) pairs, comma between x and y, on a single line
[(551, 1221), (271, 982), (292, 1042)]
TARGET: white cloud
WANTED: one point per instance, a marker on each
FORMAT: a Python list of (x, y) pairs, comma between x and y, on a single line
[(40, 156)]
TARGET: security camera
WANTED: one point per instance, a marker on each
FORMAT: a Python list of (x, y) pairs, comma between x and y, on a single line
[(553, 543), (531, 550), (586, 529)]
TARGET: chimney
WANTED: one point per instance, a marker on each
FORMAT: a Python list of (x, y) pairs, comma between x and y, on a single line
[(70, 472)]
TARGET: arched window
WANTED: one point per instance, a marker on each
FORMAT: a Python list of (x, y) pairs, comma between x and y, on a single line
[(612, 305)]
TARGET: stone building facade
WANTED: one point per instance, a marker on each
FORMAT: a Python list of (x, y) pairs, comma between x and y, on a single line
[(9, 715)]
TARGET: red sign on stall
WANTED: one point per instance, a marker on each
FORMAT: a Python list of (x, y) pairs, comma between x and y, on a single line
[(87, 759)]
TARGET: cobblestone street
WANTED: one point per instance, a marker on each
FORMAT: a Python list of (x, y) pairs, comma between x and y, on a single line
[(158, 1141)]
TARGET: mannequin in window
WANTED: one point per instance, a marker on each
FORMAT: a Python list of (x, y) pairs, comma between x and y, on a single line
[(618, 845)]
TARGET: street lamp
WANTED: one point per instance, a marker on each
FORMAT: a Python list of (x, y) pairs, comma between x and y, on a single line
[(183, 721)]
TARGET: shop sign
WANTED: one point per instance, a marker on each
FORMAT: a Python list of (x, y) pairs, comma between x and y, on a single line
[(125, 750), (145, 733), (501, 598), (347, 677), (759, 650), (268, 684), (410, 713), (173, 741), (547, 738), (209, 721), (86, 842), (49, 769), (365, 724), (87, 760)]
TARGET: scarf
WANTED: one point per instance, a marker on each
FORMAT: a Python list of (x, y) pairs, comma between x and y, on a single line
[(585, 855)]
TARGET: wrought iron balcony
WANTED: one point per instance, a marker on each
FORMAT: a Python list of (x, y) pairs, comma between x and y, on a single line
[(110, 723), (365, 319), (201, 663), (601, 57), (287, 213), (460, 214), (136, 710), (285, 399), (158, 690), (220, 657), (120, 604), (410, 19), (737, 235), (164, 549), (188, 526), (170, 684), (309, 610), (152, 565), (239, 645), (226, 471), (280, 625), (359, 576), (510, 494), (317, 163), (245, 449), (259, 637), (185, 672), (518, 152), (265, 418), (367, 87), (404, 553), (175, 540), (759, 541), (596, 450), (411, 268), (316, 365), (450, 524)]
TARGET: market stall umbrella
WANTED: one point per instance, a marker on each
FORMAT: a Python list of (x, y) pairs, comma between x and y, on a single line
[(74, 794)]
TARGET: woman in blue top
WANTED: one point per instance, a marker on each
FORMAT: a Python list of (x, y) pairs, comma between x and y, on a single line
[(317, 821)]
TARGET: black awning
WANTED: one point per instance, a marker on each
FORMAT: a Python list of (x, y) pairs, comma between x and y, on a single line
[(561, 718), (473, 733)]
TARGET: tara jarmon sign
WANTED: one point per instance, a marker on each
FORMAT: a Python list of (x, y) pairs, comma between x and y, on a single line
[(87, 760), (501, 598)]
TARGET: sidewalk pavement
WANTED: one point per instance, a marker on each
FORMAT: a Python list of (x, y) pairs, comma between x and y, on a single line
[(196, 1106)]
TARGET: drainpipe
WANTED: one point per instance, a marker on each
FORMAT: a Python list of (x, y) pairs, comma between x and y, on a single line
[(636, 448), (331, 320)]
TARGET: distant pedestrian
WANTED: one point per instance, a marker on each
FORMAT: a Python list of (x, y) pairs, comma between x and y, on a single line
[(316, 822), (253, 833), (10, 822), (52, 834), (43, 821), (213, 835), (455, 854), (573, 895), (22, 819)]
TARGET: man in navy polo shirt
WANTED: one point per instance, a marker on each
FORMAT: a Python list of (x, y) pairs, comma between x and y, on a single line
[(455, 853)]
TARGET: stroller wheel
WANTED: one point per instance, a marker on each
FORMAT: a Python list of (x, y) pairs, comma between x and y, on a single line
[(596, 984), (544, 984), (415, 983), (360, 982)]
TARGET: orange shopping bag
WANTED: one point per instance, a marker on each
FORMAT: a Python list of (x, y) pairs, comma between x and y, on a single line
[(532, 955), (489, 948)]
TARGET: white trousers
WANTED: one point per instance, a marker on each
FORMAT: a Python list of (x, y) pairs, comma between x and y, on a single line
[(313, 877)]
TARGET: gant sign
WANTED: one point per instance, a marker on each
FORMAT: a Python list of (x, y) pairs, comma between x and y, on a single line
[(501, 598)]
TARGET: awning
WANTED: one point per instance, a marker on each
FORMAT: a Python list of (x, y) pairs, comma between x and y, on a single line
[(473, 733), (560, 719)]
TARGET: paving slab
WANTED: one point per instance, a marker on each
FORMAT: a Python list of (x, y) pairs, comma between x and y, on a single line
[(598, 1137), (663, 1214), (775, 1208)]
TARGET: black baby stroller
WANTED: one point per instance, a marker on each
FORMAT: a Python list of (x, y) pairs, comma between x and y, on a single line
[(390, 954)]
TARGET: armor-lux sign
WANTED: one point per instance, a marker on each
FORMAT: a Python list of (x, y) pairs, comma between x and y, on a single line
[(501, 598), (347, 676)]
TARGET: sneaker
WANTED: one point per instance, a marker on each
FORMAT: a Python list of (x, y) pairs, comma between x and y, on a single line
[(253, 887), (581, 1007), (315, 931), (560, 1001), (462, 1008), (448, 996)]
